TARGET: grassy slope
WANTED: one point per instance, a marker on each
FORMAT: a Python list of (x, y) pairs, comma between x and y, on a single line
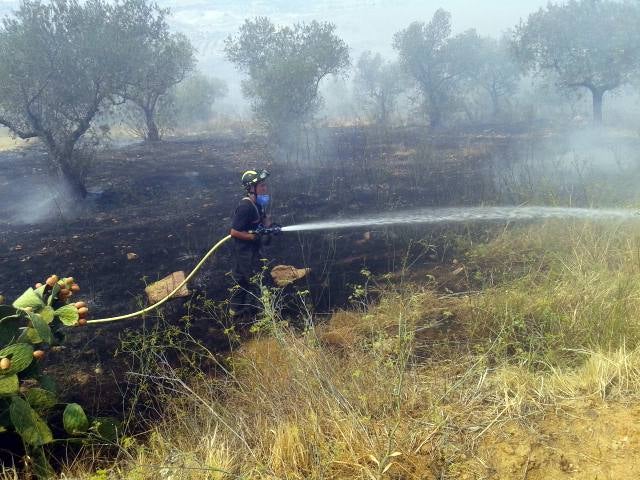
[(533, 375), (543, 356)]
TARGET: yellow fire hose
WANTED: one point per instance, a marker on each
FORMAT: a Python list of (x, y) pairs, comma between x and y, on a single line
[(175, 290)]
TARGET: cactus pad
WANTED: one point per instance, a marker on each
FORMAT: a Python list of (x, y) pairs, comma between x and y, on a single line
[(9, 330), (29, 335), (29, 425), (40, 399), (29, 299), (74, 419), (47, 314), (7, 311), (48, 383), (68, 315), (9, 384), (21, 356), (44, 332)]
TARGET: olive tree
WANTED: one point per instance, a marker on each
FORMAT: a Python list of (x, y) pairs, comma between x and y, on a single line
[(61, 64), (285, 66), (424, 53), (378, 84), (589, 44), (194, 98), (487, 67), (163, 61)]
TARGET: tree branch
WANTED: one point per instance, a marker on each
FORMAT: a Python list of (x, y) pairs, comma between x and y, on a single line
[(23, 134), (85, 122)]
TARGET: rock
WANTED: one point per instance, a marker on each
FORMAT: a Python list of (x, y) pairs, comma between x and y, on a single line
[(366, 236), (458, 271), (160, 289), (132, 256), (285, 274)]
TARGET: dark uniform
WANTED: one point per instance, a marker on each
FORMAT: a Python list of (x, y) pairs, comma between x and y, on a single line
[(246, 218)]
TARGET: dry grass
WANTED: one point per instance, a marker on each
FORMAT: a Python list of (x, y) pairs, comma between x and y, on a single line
[(553, 291), (387, 393), (7, 142)]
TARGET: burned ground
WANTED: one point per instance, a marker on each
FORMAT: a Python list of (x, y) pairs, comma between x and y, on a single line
[(168, 203)]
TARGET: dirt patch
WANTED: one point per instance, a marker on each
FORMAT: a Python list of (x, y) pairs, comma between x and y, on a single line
[(581, 442)]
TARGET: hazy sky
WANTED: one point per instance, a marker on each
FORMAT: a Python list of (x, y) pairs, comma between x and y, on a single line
[(363, 24)]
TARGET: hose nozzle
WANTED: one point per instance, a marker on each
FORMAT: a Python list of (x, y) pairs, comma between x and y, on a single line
[(274, 229)]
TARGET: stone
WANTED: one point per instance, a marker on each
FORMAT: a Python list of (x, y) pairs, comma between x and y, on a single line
[(160, 289), (283, 275)]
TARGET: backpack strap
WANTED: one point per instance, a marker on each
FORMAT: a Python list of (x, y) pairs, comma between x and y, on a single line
[(254, 206)]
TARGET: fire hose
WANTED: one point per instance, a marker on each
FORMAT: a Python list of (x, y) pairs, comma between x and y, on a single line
[(261, 230)]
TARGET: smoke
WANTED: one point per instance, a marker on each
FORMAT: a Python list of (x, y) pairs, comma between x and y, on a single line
[(35, 199)]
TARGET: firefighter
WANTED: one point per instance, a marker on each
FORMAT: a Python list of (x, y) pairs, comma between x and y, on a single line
[(248, 219)]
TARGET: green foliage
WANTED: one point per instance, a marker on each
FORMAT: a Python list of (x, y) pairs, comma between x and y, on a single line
[(68, 315), (74, 419), (379, 83), (27, 329), (33, 430), (29, 299), (41, 400), (106, 428), (64, 62), (100, 474), (8, 384), (40, 326), (453, 73), (9, 329), (20, 355), (195, 96), (487, 70), (285, 66), (162, 61), (424, 54), (592, 44)]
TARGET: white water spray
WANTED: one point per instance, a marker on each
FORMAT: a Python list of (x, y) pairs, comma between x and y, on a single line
[(468, 214)]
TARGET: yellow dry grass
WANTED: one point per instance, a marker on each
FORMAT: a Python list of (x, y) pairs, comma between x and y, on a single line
[(7, 142), (523, 384)]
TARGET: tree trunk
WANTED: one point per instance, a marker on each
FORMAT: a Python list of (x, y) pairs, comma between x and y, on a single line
[(435, 111), (68, 172), (153, 135), (76, 185), (597, 105), (435, 116), (70, 176), (495, 102), (382, 118)]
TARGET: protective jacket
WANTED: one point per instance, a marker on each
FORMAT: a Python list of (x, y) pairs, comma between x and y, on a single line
[(247, 216)]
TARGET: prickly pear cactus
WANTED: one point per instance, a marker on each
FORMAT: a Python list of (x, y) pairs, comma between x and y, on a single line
[(28, 328), (74, 419), (9, 385), (20, 356)]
